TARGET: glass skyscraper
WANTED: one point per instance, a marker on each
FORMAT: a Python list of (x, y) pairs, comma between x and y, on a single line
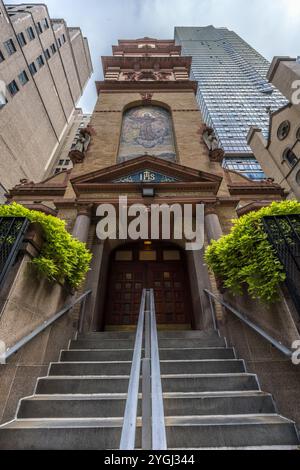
[(233, 92)]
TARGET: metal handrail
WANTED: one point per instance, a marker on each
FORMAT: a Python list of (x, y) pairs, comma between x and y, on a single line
[(11, 351), (159, 440), (153, 422), (277, 344), (130, 416)]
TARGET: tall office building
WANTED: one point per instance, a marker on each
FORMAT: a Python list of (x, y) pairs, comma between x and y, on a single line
[(44, 67), (233, 91)]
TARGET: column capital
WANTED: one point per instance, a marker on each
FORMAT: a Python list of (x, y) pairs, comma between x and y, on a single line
[(211, 209), (84, 209)]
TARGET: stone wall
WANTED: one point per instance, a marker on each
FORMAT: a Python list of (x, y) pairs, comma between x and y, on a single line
[(26, 301), (276, 373)]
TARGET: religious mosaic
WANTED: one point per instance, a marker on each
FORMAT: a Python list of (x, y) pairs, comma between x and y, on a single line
[(147, 130)]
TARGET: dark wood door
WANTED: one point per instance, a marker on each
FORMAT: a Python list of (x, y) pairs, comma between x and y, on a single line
[(132, 269)]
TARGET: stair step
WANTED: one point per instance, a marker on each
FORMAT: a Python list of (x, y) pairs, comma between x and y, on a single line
[(95, 336), (167, 367), (111, 405), (99, 355), (182, 432), (170, 383), (163, 343), (230, 431)]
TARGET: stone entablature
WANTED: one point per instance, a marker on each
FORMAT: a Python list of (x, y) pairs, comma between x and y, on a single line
[(146, 68)]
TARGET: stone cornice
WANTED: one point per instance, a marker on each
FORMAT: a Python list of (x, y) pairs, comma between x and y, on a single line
[(259, 188), (131, 87)]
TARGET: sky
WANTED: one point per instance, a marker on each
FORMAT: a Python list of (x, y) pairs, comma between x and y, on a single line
[(270, 26)]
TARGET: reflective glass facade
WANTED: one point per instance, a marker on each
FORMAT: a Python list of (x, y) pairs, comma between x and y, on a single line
[(233, 92)]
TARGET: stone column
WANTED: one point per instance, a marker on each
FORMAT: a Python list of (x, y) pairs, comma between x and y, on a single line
[(212, 223), (82, 223), (96, 282)]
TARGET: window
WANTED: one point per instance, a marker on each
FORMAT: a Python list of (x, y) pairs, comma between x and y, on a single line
[(47, 54), (59, 42), (40, 61), (61, 162), (13, 88), (23, 77), (148, 255), (53, 48), (39, 28), (63, 39), (2, 58), (45, 23), (124, 256), (30, 33), (21, 39), (10, 47), (290, 157), (32, 68), (284, 130)]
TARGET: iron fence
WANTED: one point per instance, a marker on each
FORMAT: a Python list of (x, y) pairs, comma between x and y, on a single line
[(284, 234), (12, 231)]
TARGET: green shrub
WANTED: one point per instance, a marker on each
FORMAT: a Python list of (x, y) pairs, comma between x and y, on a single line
[(245, 256), (63, 258)]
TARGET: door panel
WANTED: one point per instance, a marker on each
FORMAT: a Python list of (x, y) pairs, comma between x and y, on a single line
[(167, 278)]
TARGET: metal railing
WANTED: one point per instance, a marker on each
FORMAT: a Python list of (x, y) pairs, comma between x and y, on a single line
[(277, 344), (14, 349), (12, 231), (145, 360), (283, 233)]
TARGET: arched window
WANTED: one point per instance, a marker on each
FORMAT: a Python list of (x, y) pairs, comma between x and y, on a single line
[(290, 157), (147, 129)]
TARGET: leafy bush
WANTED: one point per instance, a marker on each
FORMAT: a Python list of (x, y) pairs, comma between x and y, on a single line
[(63, 258), (245, 256)]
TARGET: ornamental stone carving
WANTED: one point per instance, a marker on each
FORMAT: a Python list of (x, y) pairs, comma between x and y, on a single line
[(78, 153), (216, 154)]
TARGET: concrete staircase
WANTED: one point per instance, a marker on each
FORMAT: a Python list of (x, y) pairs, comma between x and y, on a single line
[(210, 400)]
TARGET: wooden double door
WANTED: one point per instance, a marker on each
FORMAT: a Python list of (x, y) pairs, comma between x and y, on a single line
[(136, 267)]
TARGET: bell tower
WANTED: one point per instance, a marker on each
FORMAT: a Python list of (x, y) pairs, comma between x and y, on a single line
[(146, 106)]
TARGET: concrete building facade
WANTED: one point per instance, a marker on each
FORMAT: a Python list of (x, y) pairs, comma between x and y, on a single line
[(279, 152), (44, 67), (62, 160), (233, 91)]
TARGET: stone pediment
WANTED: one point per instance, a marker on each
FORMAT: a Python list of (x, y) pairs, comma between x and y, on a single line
[(144, 171)]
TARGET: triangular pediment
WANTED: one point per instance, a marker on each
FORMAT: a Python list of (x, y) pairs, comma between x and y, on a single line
[(145, 170)]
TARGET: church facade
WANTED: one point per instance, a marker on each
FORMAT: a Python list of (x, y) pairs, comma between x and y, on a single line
[(146, 132), (147, 141)]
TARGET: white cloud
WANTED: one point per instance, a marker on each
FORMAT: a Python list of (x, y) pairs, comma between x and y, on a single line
[(270, 26)]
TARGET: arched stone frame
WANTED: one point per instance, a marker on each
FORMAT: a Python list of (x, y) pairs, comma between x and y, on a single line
[(98, 275), (141, 103)]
